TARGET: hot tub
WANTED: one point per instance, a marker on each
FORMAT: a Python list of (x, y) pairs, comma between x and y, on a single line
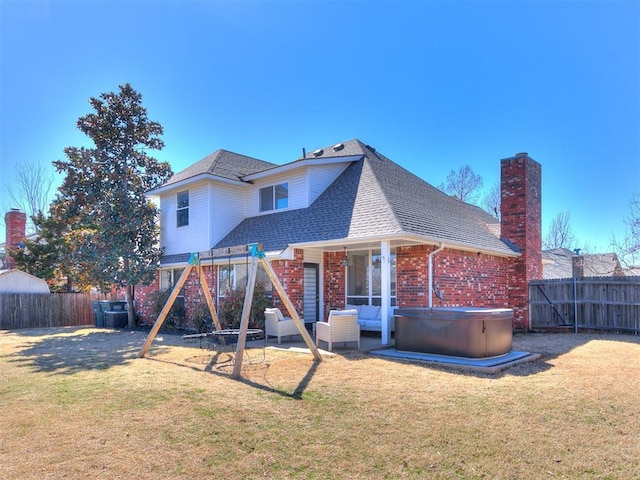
[(461, 332)]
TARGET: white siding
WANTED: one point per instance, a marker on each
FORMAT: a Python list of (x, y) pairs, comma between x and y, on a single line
[(305, 185), (190, 238), (216, 208), (228, 207), (313, 256), (297, 191), (321, 176)]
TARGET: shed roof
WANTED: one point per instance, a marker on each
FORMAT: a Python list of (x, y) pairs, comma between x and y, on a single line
[(17, 281)]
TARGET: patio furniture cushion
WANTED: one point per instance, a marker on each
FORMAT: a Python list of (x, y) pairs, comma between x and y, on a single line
[(369, 312), (277, 325), (342, 326), (370, 317)]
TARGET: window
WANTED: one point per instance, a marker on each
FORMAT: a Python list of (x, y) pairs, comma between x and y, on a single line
[(274, 197), (182, 212), (364, 282), (168, 279), (231, 277)]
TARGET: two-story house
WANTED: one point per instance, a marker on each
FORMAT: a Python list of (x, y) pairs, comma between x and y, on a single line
[(344, 225)]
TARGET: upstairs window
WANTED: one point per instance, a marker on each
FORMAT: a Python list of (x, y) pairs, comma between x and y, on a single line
[(274, 197), (182, 212)]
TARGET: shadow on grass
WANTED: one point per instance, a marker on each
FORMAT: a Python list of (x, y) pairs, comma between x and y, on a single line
[(296, 394), (71, 350)]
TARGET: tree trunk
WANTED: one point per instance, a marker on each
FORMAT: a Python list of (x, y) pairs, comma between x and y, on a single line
[(128, 291)]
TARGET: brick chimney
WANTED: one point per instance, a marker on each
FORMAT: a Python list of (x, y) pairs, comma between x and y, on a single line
[(16, 226), (521, 214)]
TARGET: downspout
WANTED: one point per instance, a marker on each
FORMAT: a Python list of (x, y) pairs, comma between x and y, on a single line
[(430, 264)]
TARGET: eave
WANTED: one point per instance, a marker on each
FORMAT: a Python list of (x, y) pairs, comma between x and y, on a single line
[(401, 241), (197, 178), (305, 162)]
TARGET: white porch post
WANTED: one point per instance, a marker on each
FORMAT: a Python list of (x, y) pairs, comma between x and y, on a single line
[(385, 309)]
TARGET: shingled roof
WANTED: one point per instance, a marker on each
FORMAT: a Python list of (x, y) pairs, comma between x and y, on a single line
[(559, 263), (223, 164), (373, 197)]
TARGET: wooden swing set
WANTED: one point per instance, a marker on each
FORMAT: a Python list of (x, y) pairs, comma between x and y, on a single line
[(257, 256)]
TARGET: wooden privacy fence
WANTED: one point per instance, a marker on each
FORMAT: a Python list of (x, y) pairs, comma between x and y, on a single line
[(597, 303), (38, 310)]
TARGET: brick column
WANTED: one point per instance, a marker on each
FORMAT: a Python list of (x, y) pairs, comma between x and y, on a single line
[(16, 225), (521, 184)]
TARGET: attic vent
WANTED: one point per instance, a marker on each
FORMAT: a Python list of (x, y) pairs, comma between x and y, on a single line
[(521, 154), (318, 152), (338, 147), (370, 148)]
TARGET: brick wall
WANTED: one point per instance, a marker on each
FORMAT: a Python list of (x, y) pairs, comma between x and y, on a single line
[(412, 276), (334, 282), (291, 276), (464, 278), (144, 306), (194, 295), (193, 290)]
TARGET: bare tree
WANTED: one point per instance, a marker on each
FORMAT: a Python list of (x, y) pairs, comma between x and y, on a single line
[(628, 249), (32, 190), (491, 201), (463, 184), (560, 233)]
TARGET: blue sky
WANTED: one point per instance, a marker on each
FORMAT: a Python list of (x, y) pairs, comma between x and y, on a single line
[(432, 85)]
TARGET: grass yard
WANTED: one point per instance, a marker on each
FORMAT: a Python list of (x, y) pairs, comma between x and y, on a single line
[(78, 403)]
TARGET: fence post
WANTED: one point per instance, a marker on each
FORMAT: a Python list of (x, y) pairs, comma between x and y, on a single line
[(575, 303)]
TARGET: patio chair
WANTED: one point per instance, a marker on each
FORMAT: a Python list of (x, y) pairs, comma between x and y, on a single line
[(277, 325), (341, 326)]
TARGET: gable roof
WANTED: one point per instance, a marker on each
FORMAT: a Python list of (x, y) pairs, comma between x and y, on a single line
[(558, 263), (373, 198), (223, 164)]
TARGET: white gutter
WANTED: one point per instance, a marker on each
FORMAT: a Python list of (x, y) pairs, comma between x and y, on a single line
[(430, 280)]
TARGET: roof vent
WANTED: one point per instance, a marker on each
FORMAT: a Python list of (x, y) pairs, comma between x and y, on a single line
[(338, 147), (318, 152), (370, 148), (521, 154)]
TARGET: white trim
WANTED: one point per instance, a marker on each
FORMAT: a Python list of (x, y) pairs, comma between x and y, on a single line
[(306, 162), (385, 280), (273, 186), (400, 241), (187, 181)]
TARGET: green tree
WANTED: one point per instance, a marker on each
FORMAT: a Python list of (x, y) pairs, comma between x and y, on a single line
[(47, 255), (113, 229)]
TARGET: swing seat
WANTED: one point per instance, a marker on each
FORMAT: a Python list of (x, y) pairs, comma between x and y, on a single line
[(277, 325)]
